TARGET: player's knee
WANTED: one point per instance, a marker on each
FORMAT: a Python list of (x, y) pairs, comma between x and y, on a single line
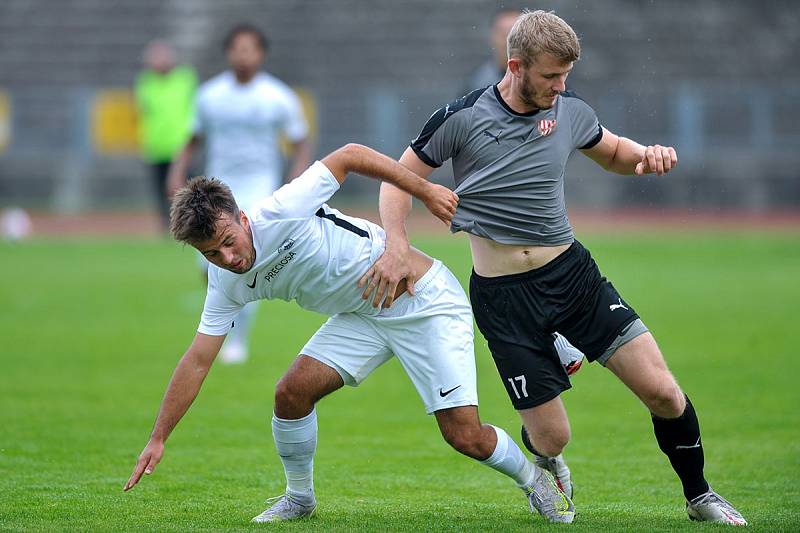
[(552, 445), (289, 396), (552, 442), (665, 399), (468, 441)]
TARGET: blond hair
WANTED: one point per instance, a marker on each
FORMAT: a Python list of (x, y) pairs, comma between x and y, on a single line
[(537, 32)]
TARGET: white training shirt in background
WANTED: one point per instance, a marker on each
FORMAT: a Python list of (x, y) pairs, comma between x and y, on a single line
[(242, 125), (305, 251)]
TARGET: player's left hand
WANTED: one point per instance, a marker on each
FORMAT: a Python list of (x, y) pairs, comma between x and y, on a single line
[(441, 202), (381, 280), (148, 459), (658, 159)]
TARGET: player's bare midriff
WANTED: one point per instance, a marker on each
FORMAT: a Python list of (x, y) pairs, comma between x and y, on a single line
[(491, 259)]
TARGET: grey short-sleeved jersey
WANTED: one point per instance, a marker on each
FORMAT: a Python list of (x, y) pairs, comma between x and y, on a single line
[(509, 167)]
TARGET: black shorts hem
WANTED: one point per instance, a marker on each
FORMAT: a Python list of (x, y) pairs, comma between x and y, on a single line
[(592, 357), (536, 402)]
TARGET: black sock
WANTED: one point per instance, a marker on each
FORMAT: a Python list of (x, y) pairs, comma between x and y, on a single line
[(679, 439)]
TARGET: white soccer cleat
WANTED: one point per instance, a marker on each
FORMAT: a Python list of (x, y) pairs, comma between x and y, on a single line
[(558, 467), (711, 507), (549, 500), (233, 353), (286, 507)]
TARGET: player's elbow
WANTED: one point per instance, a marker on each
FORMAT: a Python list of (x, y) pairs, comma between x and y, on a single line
[(351, 152), (345, 160)]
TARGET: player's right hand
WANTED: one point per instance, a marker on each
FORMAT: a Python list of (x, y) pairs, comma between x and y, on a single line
[(385, 274), (148, 459), (656, 159), (442, 202)]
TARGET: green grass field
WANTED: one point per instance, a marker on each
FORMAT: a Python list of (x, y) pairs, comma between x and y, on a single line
[(92, 329)]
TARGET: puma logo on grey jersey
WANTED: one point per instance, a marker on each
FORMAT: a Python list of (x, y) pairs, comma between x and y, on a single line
[(496, 138), (620, 305)]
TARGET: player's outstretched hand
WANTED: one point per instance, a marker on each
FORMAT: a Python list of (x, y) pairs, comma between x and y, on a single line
[(442, 202), (385, 274), (658, 159), (149, 458)]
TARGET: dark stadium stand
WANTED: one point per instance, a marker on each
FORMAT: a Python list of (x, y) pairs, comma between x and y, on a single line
[(718, 79)]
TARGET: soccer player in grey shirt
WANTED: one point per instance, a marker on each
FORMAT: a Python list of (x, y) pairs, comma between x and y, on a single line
[(509, 146)]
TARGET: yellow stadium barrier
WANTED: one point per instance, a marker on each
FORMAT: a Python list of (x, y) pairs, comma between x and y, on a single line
[(114, 122), (5, 121), (309, 104)]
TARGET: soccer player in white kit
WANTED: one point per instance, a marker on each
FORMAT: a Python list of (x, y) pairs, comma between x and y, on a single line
[(241, 115), (293, 246)]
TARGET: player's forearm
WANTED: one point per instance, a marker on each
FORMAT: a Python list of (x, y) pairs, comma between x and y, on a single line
[(628, 154), (301, 158), (394, 202), (367, 162), (180, 165), (394, 206), (181, 392)]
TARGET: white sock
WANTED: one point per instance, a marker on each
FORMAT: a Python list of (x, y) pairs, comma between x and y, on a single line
[(508, 459), (242, 325), (296, 441)]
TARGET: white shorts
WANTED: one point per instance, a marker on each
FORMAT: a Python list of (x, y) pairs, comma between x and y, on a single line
[(430, 333)]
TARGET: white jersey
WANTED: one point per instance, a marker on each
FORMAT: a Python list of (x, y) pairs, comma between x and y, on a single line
[(242, 124), (305, 251)]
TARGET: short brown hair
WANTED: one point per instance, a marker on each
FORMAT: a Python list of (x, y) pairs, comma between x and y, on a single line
[(537, 32), (198, 206), (245, 28)]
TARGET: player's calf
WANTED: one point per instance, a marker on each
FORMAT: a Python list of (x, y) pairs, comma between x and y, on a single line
[(461, 429), (303, 385), (550, 426), (555, 465)]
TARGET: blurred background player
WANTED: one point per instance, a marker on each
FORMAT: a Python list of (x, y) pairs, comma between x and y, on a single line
[(165, 95), (241, 115), (494, 68)]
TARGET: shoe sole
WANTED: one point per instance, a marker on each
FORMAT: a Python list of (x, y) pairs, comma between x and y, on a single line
[(696, 517), (301, 517)]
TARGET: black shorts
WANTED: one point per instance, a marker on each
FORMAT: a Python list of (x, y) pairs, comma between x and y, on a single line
[(518, 314)]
